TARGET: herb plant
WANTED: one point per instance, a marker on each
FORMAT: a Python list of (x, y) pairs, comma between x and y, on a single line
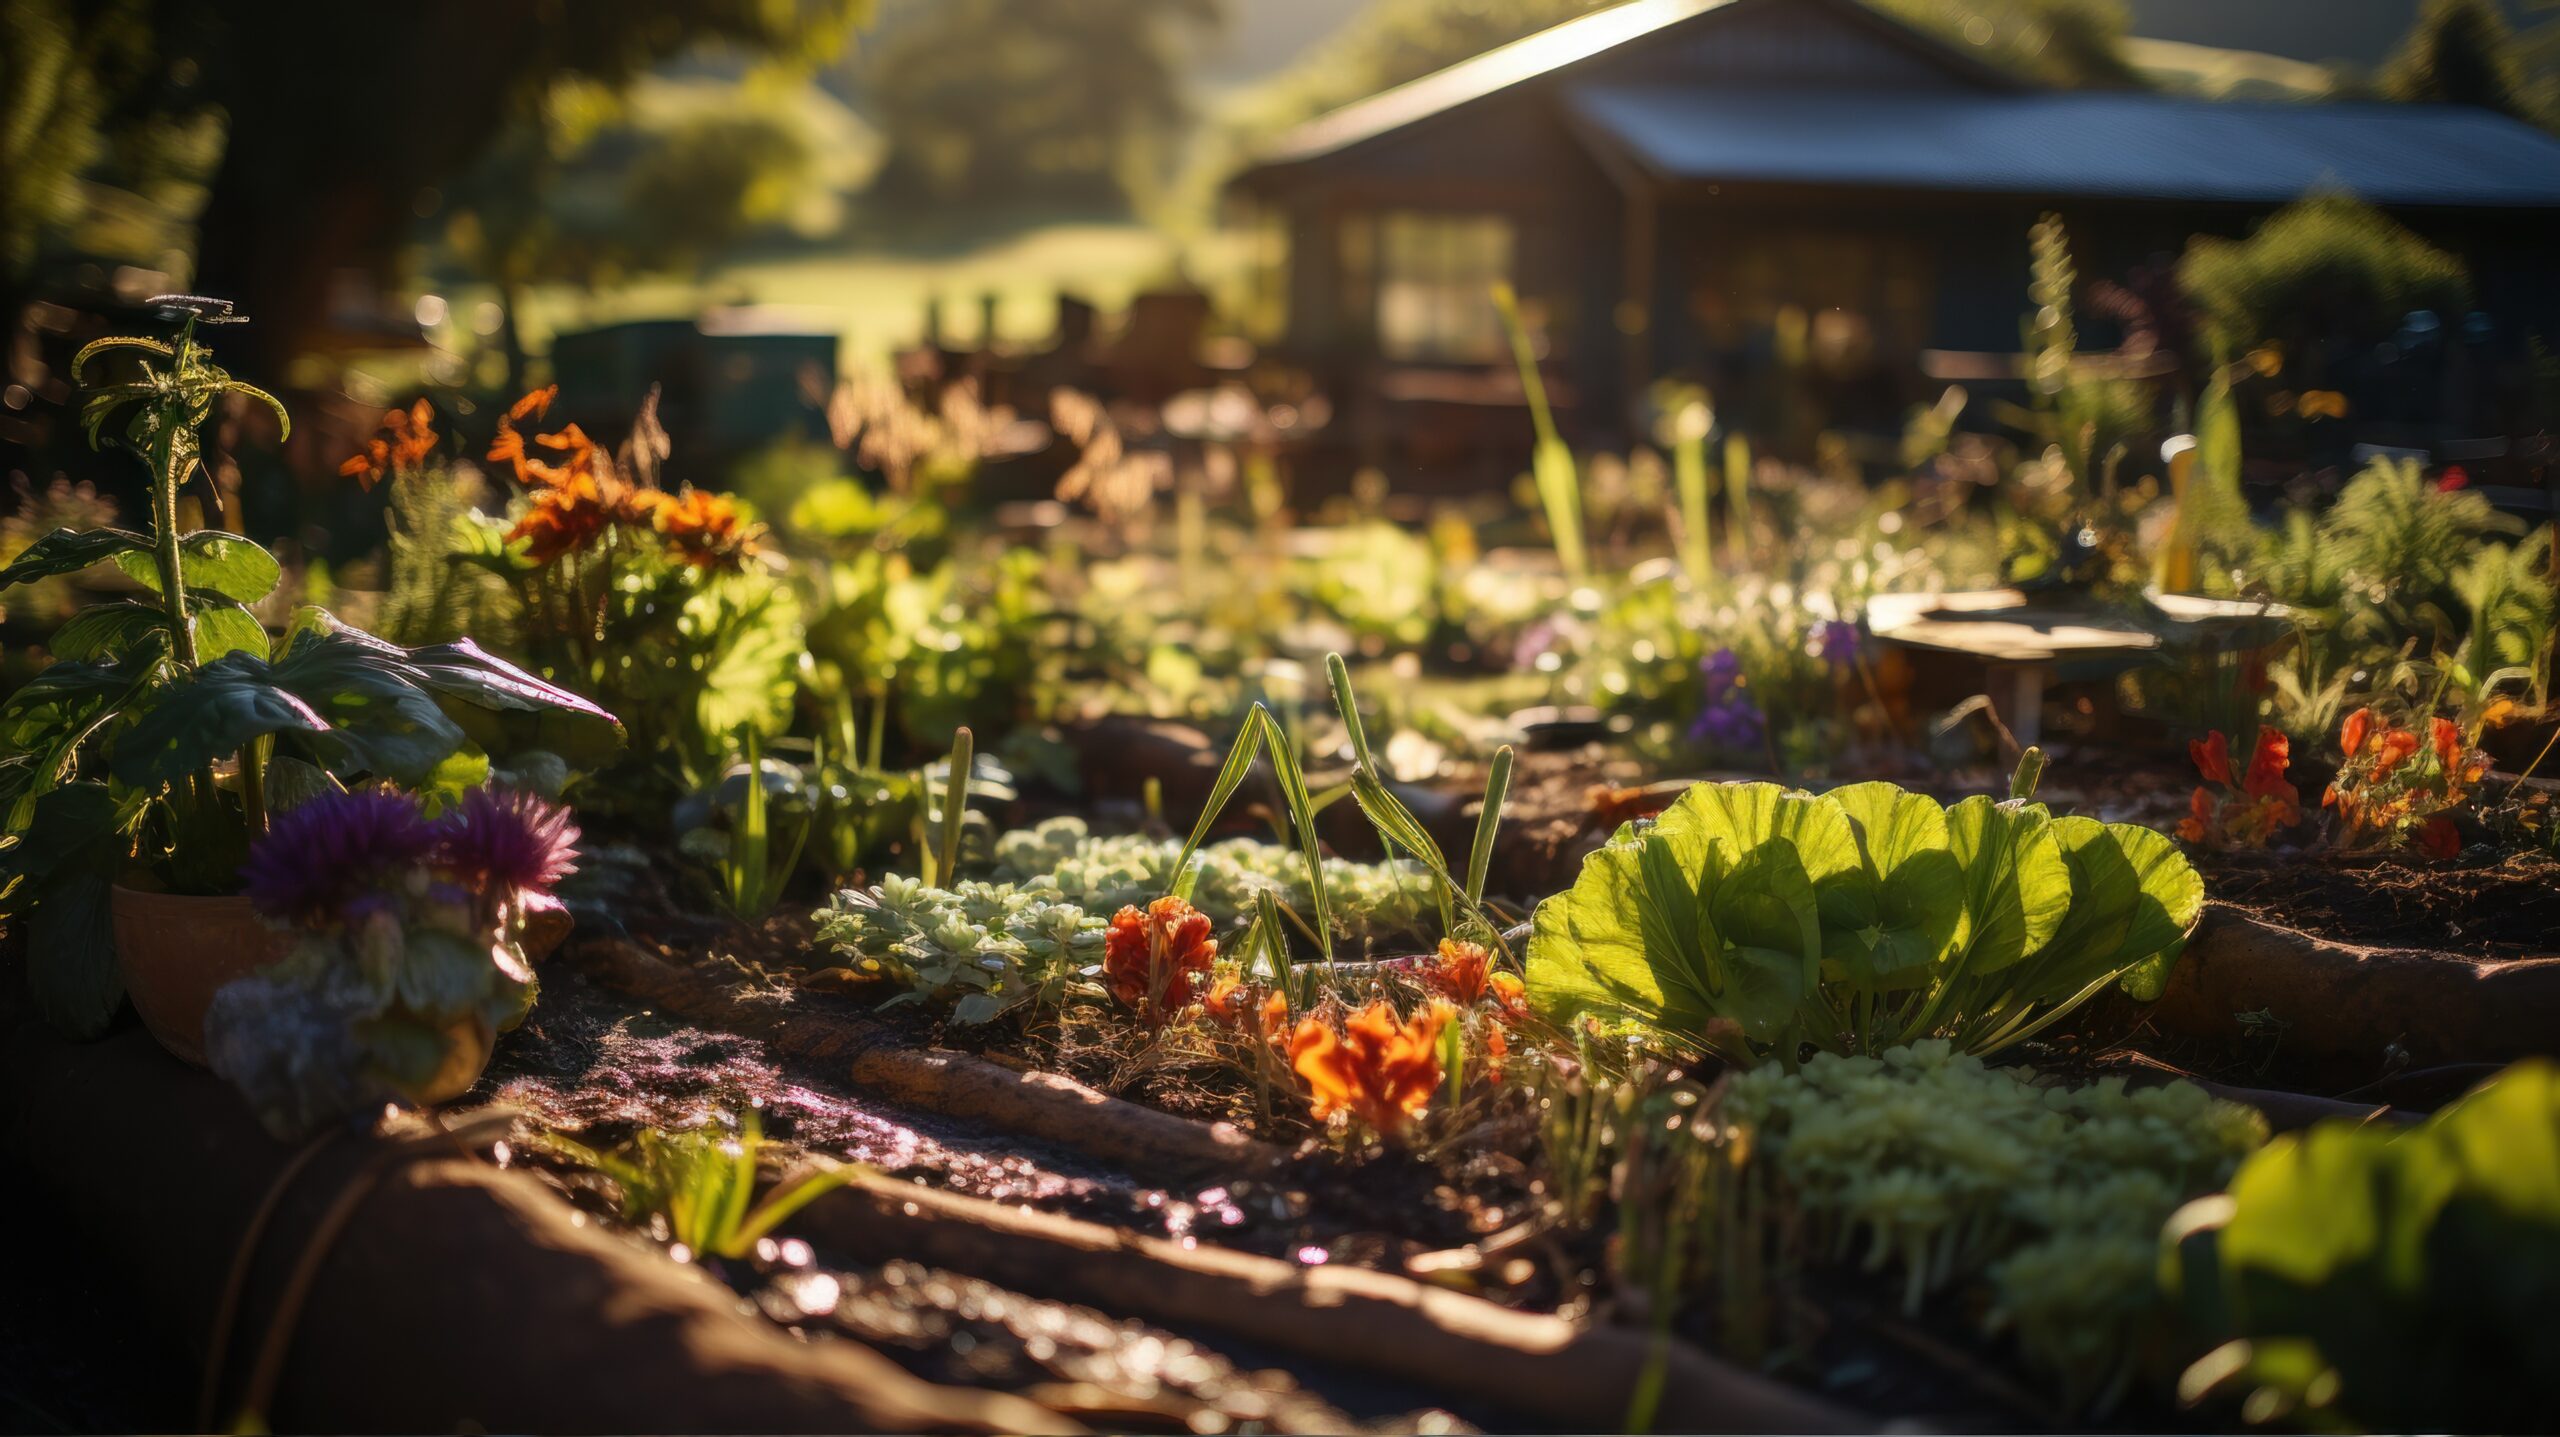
[(158, 732), (697, 1188), (1752, 921)]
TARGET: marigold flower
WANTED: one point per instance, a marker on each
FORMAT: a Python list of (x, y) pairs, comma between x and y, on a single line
[(703, 526), (2212, 756), (1380, 1069), (507, 447), (563, 518), (1459, 971), (1154, 959), (2351, 733), (2394, 748), (403, 441), (1510, 995)]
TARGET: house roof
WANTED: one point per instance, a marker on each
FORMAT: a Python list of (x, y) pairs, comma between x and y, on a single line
[(1555, 52), (2084, 143)]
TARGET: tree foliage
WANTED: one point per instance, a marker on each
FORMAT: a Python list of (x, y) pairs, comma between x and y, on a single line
[(2327, 268), (1029, 103), (2461, 52)]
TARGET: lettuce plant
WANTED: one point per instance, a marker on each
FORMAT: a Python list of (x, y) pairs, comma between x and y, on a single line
[(2358, 1277), (980, 948), (1751, 920)]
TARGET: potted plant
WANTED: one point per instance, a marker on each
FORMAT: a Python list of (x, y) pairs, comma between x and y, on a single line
[(408, 951), (169, 728)]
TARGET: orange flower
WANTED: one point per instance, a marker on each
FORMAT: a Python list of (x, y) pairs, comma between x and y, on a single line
[(2212, 756), (1459, 972), (1510, 995), (704, 527), (2439, 838), (2351, 733), (1274, 1018), (2198, 824), (2395, 747), (2448, 745), (563, 518), (403, 441), (1380, 1069), (508, 446), (1154, 959)]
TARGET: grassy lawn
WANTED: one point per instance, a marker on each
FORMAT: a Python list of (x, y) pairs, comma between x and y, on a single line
[(876, 300)]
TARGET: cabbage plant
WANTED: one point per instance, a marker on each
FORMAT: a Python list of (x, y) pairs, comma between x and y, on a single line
[(1752, 920)]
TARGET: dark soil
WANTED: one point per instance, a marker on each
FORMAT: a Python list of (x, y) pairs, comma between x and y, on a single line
[(2508, 908)]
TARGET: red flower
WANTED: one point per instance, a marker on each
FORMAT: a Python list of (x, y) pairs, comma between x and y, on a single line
[(1155, 959), (2351, 733), (2448, 744), (2438, 838), (1459, 971), (2394, 748), (1380, 1069), (2212, 755), (2454, 477), (2267, 764)]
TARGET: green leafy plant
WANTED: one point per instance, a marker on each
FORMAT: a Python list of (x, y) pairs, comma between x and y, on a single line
[(153, 738), (2363, 1277), (980, 949), (1750, 920), (1924, 1164), (756, 858), (1102, 873), (697, 1188)]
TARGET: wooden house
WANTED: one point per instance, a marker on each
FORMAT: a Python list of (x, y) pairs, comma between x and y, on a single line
[(1802, 205)]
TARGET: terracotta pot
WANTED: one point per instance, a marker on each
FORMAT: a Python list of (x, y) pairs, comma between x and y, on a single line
[(176, 949)]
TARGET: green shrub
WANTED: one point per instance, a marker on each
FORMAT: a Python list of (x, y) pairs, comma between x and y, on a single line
[(2329, 267)]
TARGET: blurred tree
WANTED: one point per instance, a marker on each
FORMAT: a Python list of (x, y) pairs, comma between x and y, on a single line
[(346, 119), (2329, 272), (73, 75), (2060, 42), (2461, 52), (1015, 105), (592, 190)]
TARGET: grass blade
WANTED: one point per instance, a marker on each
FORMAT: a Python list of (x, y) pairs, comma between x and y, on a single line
[(955, 804), (1497, 787)]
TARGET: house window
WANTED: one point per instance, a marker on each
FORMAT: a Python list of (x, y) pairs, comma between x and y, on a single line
[(1434, 283)]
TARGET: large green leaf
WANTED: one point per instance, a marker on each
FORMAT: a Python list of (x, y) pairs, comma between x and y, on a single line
[(357, 702), (2172, 899), (1588, 956), (748, 627), (2017, 887), (108, 630), (68, 551), (508, 711), (1920, 917), (215, 562), (223, 626)]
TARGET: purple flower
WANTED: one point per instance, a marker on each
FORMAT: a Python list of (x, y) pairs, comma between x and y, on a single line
[(510, 841), (319, 856), (1733, 724), (1837, 642), (1722, 670)]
